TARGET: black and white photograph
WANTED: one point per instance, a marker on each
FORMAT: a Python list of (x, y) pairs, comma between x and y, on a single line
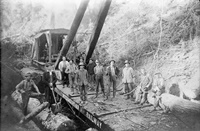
[(100, 65)]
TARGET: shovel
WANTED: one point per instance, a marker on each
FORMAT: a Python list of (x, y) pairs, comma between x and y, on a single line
[(56, 106)]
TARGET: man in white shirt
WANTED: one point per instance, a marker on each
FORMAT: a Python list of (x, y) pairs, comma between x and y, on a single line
[(71, 71), (62, 67), (128, 75)]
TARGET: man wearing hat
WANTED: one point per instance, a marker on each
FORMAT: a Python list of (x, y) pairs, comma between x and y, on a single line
[(157, 88), (99, 71), (81, 80), (128, 75), (112, 72), (90, 69), (25, 88)]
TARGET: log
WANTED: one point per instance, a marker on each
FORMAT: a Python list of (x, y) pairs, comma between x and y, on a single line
[(10, 110), (49, 121), (18, 113), (34, 113), (176, 104)]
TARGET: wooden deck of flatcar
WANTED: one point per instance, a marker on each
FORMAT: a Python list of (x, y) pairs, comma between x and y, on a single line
[(102, 112)]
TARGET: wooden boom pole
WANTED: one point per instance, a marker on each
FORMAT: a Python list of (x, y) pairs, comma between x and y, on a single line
[(97, 30), (73, 29)]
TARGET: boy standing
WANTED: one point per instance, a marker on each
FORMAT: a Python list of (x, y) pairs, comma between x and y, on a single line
[(25, 89)]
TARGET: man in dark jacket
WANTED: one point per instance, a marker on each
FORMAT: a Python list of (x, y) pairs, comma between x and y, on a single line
[(49, 79), (90, 69), (99, 72), (112, 72)]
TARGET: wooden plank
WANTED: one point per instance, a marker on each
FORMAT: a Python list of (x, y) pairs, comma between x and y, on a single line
[(121, 110), (99, 124)]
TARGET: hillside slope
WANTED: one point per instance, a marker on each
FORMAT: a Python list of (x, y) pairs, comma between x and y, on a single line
[(159, 36)]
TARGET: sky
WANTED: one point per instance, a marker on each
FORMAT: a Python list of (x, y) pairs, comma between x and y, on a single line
[(59, 4), (70, 7), (92, 3)]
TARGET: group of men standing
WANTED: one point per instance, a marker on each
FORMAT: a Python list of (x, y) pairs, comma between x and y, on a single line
[(93, 74)]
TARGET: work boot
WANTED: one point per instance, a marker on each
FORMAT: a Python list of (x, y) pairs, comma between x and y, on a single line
[(127, 97), (96, 95), (114, 94), (106, 98), (103, 95), (137, 102), (121, 93), (132, 99)]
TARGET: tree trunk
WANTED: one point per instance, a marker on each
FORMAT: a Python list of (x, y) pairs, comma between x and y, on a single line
[(49, 121)]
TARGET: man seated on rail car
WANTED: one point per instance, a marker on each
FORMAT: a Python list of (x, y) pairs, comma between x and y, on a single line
[(71, 71), (81, 81), (25, 88), (158, 88), (143, 87), (62, 67)]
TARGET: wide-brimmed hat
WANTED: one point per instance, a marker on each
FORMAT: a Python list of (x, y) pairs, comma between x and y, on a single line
[(97, 61), (112, 60), (126, 62), (49, 67), (28, 74), (81, 64), (157, 73)]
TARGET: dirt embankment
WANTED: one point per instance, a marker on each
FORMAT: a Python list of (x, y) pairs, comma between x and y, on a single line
[(179, 65)]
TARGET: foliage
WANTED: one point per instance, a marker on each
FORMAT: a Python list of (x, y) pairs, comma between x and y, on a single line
[(134, 33)]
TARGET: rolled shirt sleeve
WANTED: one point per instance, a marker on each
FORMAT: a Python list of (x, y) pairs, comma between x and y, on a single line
[(20, 86)]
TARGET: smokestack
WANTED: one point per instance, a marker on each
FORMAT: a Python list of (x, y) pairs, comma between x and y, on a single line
[(52, 21)]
